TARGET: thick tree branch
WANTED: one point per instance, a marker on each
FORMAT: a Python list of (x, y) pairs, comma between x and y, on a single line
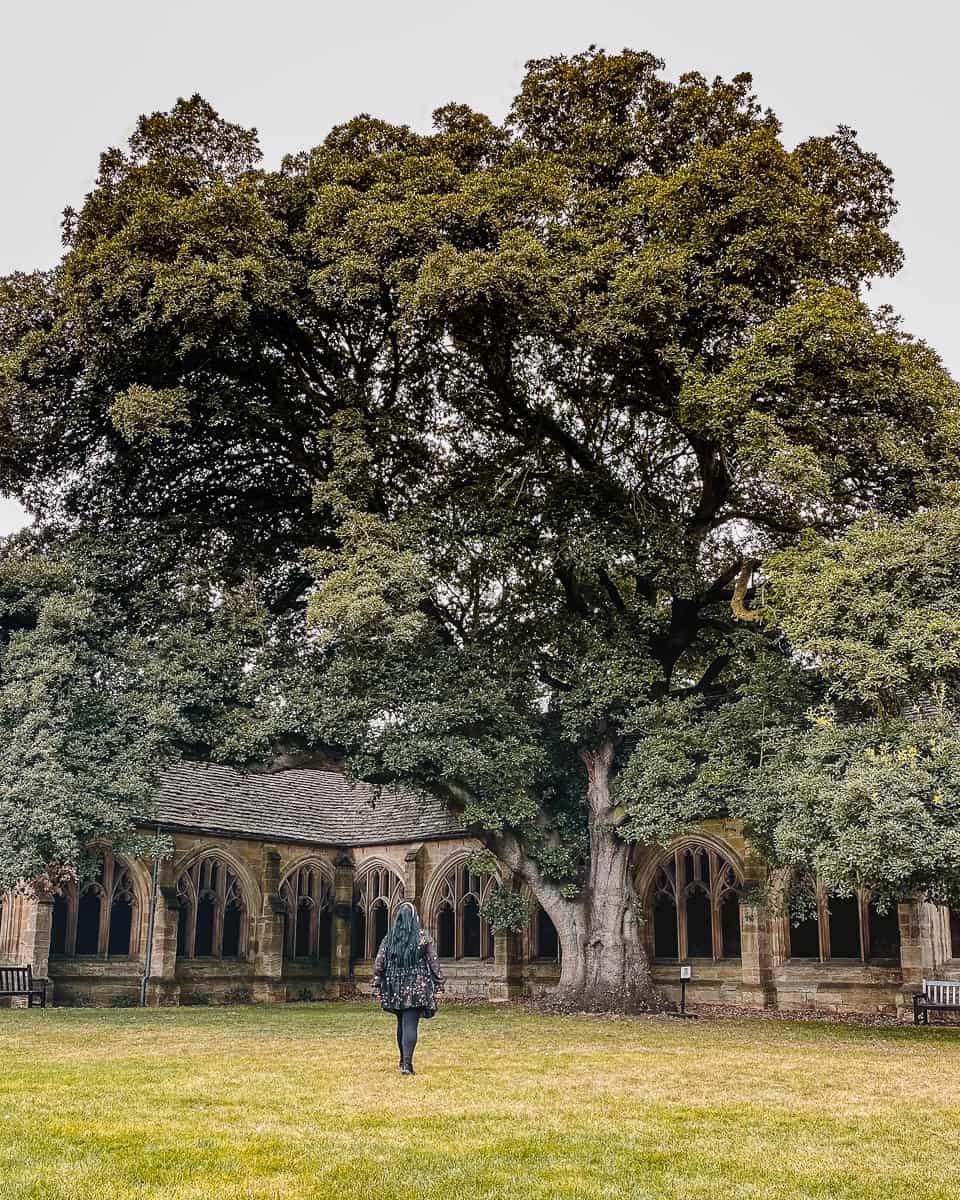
[(738, 603), (708, 678), (611, 589)]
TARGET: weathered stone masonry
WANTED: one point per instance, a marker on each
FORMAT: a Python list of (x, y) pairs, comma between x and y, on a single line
[(280, 887)]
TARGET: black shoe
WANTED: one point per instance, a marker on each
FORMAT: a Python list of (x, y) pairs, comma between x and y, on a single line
[(406, 1068)]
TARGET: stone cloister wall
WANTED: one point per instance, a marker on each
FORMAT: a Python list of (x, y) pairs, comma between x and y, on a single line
[(763, 975)]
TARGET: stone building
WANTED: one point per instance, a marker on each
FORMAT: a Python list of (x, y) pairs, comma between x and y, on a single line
[(281, 886)]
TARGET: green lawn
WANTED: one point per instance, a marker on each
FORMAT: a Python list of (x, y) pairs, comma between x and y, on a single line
[(283, 1103)]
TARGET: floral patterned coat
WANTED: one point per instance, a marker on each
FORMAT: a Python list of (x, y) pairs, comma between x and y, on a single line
[(398, 988)]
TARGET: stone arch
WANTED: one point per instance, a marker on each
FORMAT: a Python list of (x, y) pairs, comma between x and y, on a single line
[(307, 891), (839, 927), (648, 869), (377, 894), (249, 885), (690, 893), (309, 858), (452, 901), (217, 896), (103, 917), (540, 939)]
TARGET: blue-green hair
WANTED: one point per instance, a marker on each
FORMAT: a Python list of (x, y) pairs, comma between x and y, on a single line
[(402, 944)]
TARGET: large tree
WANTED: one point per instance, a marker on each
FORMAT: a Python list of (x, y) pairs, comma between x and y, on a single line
[(518, 412)]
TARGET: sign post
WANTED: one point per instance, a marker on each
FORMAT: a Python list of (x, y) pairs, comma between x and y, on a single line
[(686, 973)]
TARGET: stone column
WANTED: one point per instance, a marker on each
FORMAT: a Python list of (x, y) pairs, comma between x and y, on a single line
[(266, 934), (917, 950), (35, 936), (507, 981), (758, 990), (342, 923), (163, 990), (413, 875)]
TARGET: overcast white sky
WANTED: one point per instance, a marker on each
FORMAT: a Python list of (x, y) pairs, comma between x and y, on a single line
[(74, 77)]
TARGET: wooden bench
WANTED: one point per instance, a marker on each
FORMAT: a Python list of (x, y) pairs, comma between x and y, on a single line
[(19, 981), (938, 995)]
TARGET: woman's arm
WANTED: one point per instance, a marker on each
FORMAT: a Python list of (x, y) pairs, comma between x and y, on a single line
[(433, 963), (378, 966)]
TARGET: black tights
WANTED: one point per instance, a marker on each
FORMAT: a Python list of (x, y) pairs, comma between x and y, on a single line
[(407, 1022)]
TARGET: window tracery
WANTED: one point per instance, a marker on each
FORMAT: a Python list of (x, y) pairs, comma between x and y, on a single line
[(695, 902), (307, 894), (213, 914), (377, 894), (97, 918), (458, 928)]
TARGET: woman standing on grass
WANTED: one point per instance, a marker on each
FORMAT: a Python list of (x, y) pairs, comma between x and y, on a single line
[(407, 979)]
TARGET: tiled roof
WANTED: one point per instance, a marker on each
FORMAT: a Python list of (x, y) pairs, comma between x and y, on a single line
[(309, 806)]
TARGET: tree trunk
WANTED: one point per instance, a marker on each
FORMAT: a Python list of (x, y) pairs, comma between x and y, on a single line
[(603, 963)]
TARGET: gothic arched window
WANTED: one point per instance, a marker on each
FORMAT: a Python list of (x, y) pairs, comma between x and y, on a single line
[(458, 928), (377, 893), (213, 914), (98, 917), (544, 940), (307, 894), (851, 927), (883, 932), (695, 898)]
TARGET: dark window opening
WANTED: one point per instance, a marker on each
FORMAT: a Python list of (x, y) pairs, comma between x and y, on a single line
[(471, 928), (376, 895), (121, 928), (844, 927), (805, 939), (203, 943), (58, 928), (548, 943), (884, 933), (699, 932), (302, 935), (232, 925), (955, 932), (381, 923), (730, 925), (307, 896), (211, 921), (88, 923), (100, 918), (358, 934), (325, 936), (446, 933), (183, 919), (665, 943)]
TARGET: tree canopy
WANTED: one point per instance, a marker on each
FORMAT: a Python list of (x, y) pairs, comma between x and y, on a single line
[(509, 428)]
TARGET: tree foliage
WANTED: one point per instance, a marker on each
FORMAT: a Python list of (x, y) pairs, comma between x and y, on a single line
[(515, 411)]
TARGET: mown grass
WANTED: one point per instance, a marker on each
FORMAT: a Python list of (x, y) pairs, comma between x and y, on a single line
[(303, 1101)]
